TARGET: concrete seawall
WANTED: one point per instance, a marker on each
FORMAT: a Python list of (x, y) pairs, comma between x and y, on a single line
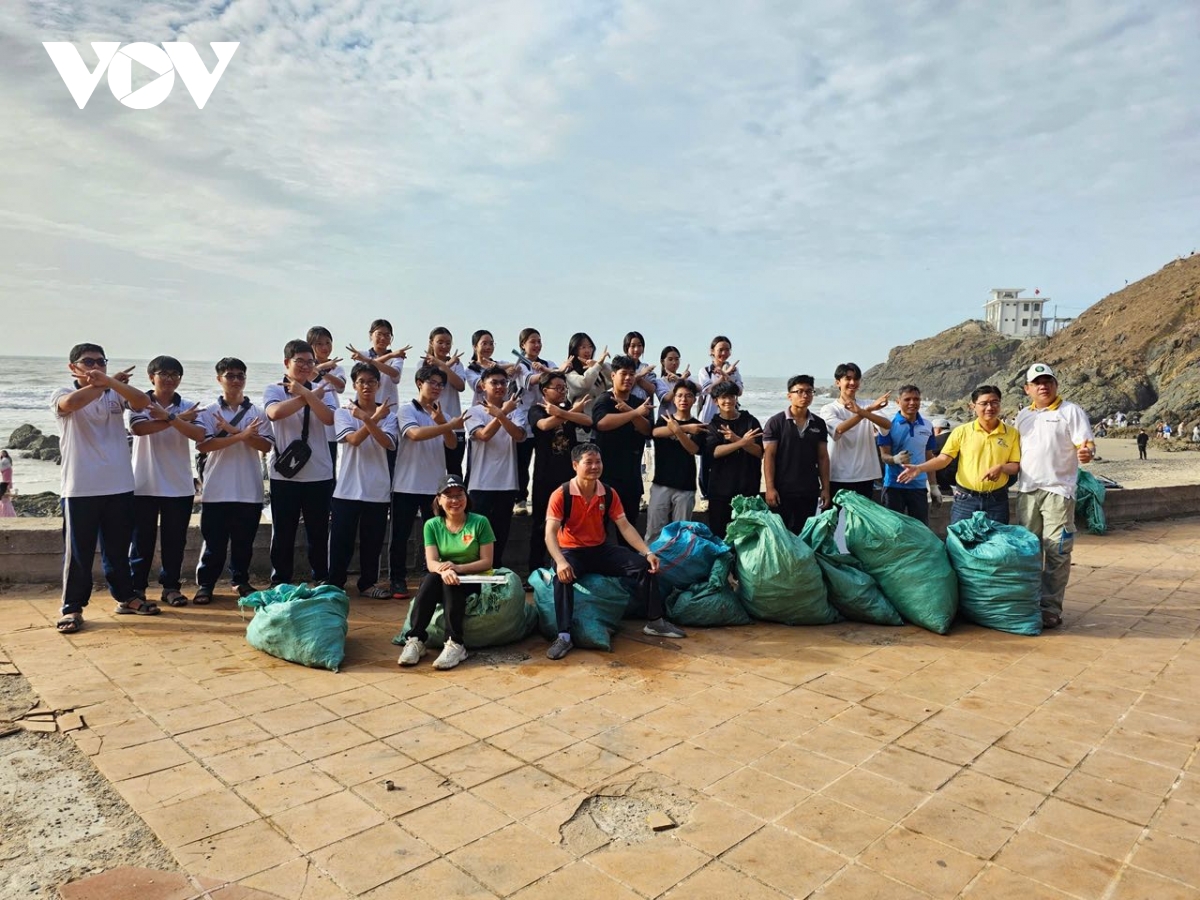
[(31, 549)]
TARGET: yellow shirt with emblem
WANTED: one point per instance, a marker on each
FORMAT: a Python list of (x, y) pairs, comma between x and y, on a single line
[(978, 450)]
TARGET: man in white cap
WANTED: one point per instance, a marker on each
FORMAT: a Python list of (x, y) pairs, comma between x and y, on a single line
[(1056, 436)]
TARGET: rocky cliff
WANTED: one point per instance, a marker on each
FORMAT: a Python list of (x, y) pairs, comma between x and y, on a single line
[(1135, 350)]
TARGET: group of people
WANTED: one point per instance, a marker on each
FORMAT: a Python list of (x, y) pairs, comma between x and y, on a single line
[(345, 456)]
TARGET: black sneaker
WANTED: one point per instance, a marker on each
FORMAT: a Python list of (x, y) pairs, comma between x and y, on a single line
[(663, 628), (245, 589), (560, 648)]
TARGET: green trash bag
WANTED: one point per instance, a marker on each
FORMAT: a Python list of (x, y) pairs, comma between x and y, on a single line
[(497, 614), (300, 624), (778, 576), (999, 570), (600, 602), (852, 592), (1089, 502), (711, 602), (905, 558)]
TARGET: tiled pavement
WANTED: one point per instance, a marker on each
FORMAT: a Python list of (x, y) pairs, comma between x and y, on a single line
[(841, 762)]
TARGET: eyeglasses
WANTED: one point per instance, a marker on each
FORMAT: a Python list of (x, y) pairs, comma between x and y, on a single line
[(366, 382), (988, 403), (807, 392), (434, 385), (92, 362), (173, 376), (304, 362), (234, 376)]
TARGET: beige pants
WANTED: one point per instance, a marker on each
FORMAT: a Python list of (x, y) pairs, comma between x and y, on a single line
[(1052, 518)]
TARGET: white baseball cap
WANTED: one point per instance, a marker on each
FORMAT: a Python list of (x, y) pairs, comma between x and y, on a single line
[(1037, 370)]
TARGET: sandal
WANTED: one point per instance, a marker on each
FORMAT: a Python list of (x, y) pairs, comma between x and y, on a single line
[(203, 595), (376, 593), (69, 623), (137, 606), (173, 597)]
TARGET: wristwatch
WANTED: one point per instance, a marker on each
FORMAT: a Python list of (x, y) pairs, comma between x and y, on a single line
[(171, 417)]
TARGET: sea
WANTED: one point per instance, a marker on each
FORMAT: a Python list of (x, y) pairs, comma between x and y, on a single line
[(26, 383)]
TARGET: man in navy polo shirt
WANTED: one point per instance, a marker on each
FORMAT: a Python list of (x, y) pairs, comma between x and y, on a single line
[(909, 441)]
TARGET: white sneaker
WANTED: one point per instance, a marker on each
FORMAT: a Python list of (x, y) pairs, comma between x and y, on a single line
[(412, 652), (521, 508), (452, 654)]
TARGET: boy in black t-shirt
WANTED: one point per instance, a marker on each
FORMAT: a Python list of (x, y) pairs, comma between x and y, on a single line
[(621, 432), (552, 424), (734, 449), (796, 457), (678, 439)]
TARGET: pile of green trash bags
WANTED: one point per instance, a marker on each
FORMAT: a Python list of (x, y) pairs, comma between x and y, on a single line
[(999, 570), (600, 603), (497, 614), (852, 591), (779, 579), (711, 602), (1089, 502), (300, 624), (905, 558)]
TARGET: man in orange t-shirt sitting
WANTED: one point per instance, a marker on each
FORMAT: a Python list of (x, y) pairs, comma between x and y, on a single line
[(578, 541)]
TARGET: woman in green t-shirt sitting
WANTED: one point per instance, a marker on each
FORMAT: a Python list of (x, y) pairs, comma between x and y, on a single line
[(457, 542)]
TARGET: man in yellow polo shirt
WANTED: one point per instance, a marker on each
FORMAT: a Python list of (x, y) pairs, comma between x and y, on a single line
[(989, 456)]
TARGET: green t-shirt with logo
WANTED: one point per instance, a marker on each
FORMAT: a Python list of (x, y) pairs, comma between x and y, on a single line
[(462, 547)]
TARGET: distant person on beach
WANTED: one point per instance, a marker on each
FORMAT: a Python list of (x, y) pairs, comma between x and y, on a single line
[(989, 456), (910, 439), (853, 457), (796, 457), (300, 465), (6, 480), (1196, 434), (1143, 440), (236, 435), (163, 489), (1056, 436), (97, 483), (735, 451)]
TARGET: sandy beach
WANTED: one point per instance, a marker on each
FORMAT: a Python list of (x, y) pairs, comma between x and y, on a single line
[(1117, 458)]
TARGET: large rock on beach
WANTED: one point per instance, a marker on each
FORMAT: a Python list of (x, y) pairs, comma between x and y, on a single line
[(44, 504), (23, 436)]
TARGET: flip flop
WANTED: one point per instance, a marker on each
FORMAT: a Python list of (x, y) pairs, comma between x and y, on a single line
[(69, 623)]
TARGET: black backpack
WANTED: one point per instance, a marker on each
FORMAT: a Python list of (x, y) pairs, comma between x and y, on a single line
[(610, 528)]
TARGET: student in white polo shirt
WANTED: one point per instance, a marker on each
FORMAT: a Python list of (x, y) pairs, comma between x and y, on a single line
[(329, 371), (236, 435), (853, 431), (97, 483), (425, 432), (300, 488), (495, 428), (163, 489), (367, 430), (441, 355)]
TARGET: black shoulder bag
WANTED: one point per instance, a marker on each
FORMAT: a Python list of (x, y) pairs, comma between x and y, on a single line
[(297, 453)]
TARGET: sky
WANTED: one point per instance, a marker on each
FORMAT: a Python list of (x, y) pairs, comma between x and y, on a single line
[(820, 180)]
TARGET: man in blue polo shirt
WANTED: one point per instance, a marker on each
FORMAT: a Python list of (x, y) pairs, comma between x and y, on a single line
[(909, 442)]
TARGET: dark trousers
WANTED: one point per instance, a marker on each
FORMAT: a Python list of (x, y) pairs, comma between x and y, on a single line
[(524, 458), (174, 513), (291, 501), (796, 510), (605, 559), (86, 520), (994, 505), (454, 457), (432, 592), (720, 514), (367, 522), (1141, 452), (909, 501), (333, 449), (863, 488), (537, 529), (227, 525), (405, 509), (631, 500), (497, 508)]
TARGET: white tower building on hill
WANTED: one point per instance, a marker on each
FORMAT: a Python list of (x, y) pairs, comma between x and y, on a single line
[(1016, 316)]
